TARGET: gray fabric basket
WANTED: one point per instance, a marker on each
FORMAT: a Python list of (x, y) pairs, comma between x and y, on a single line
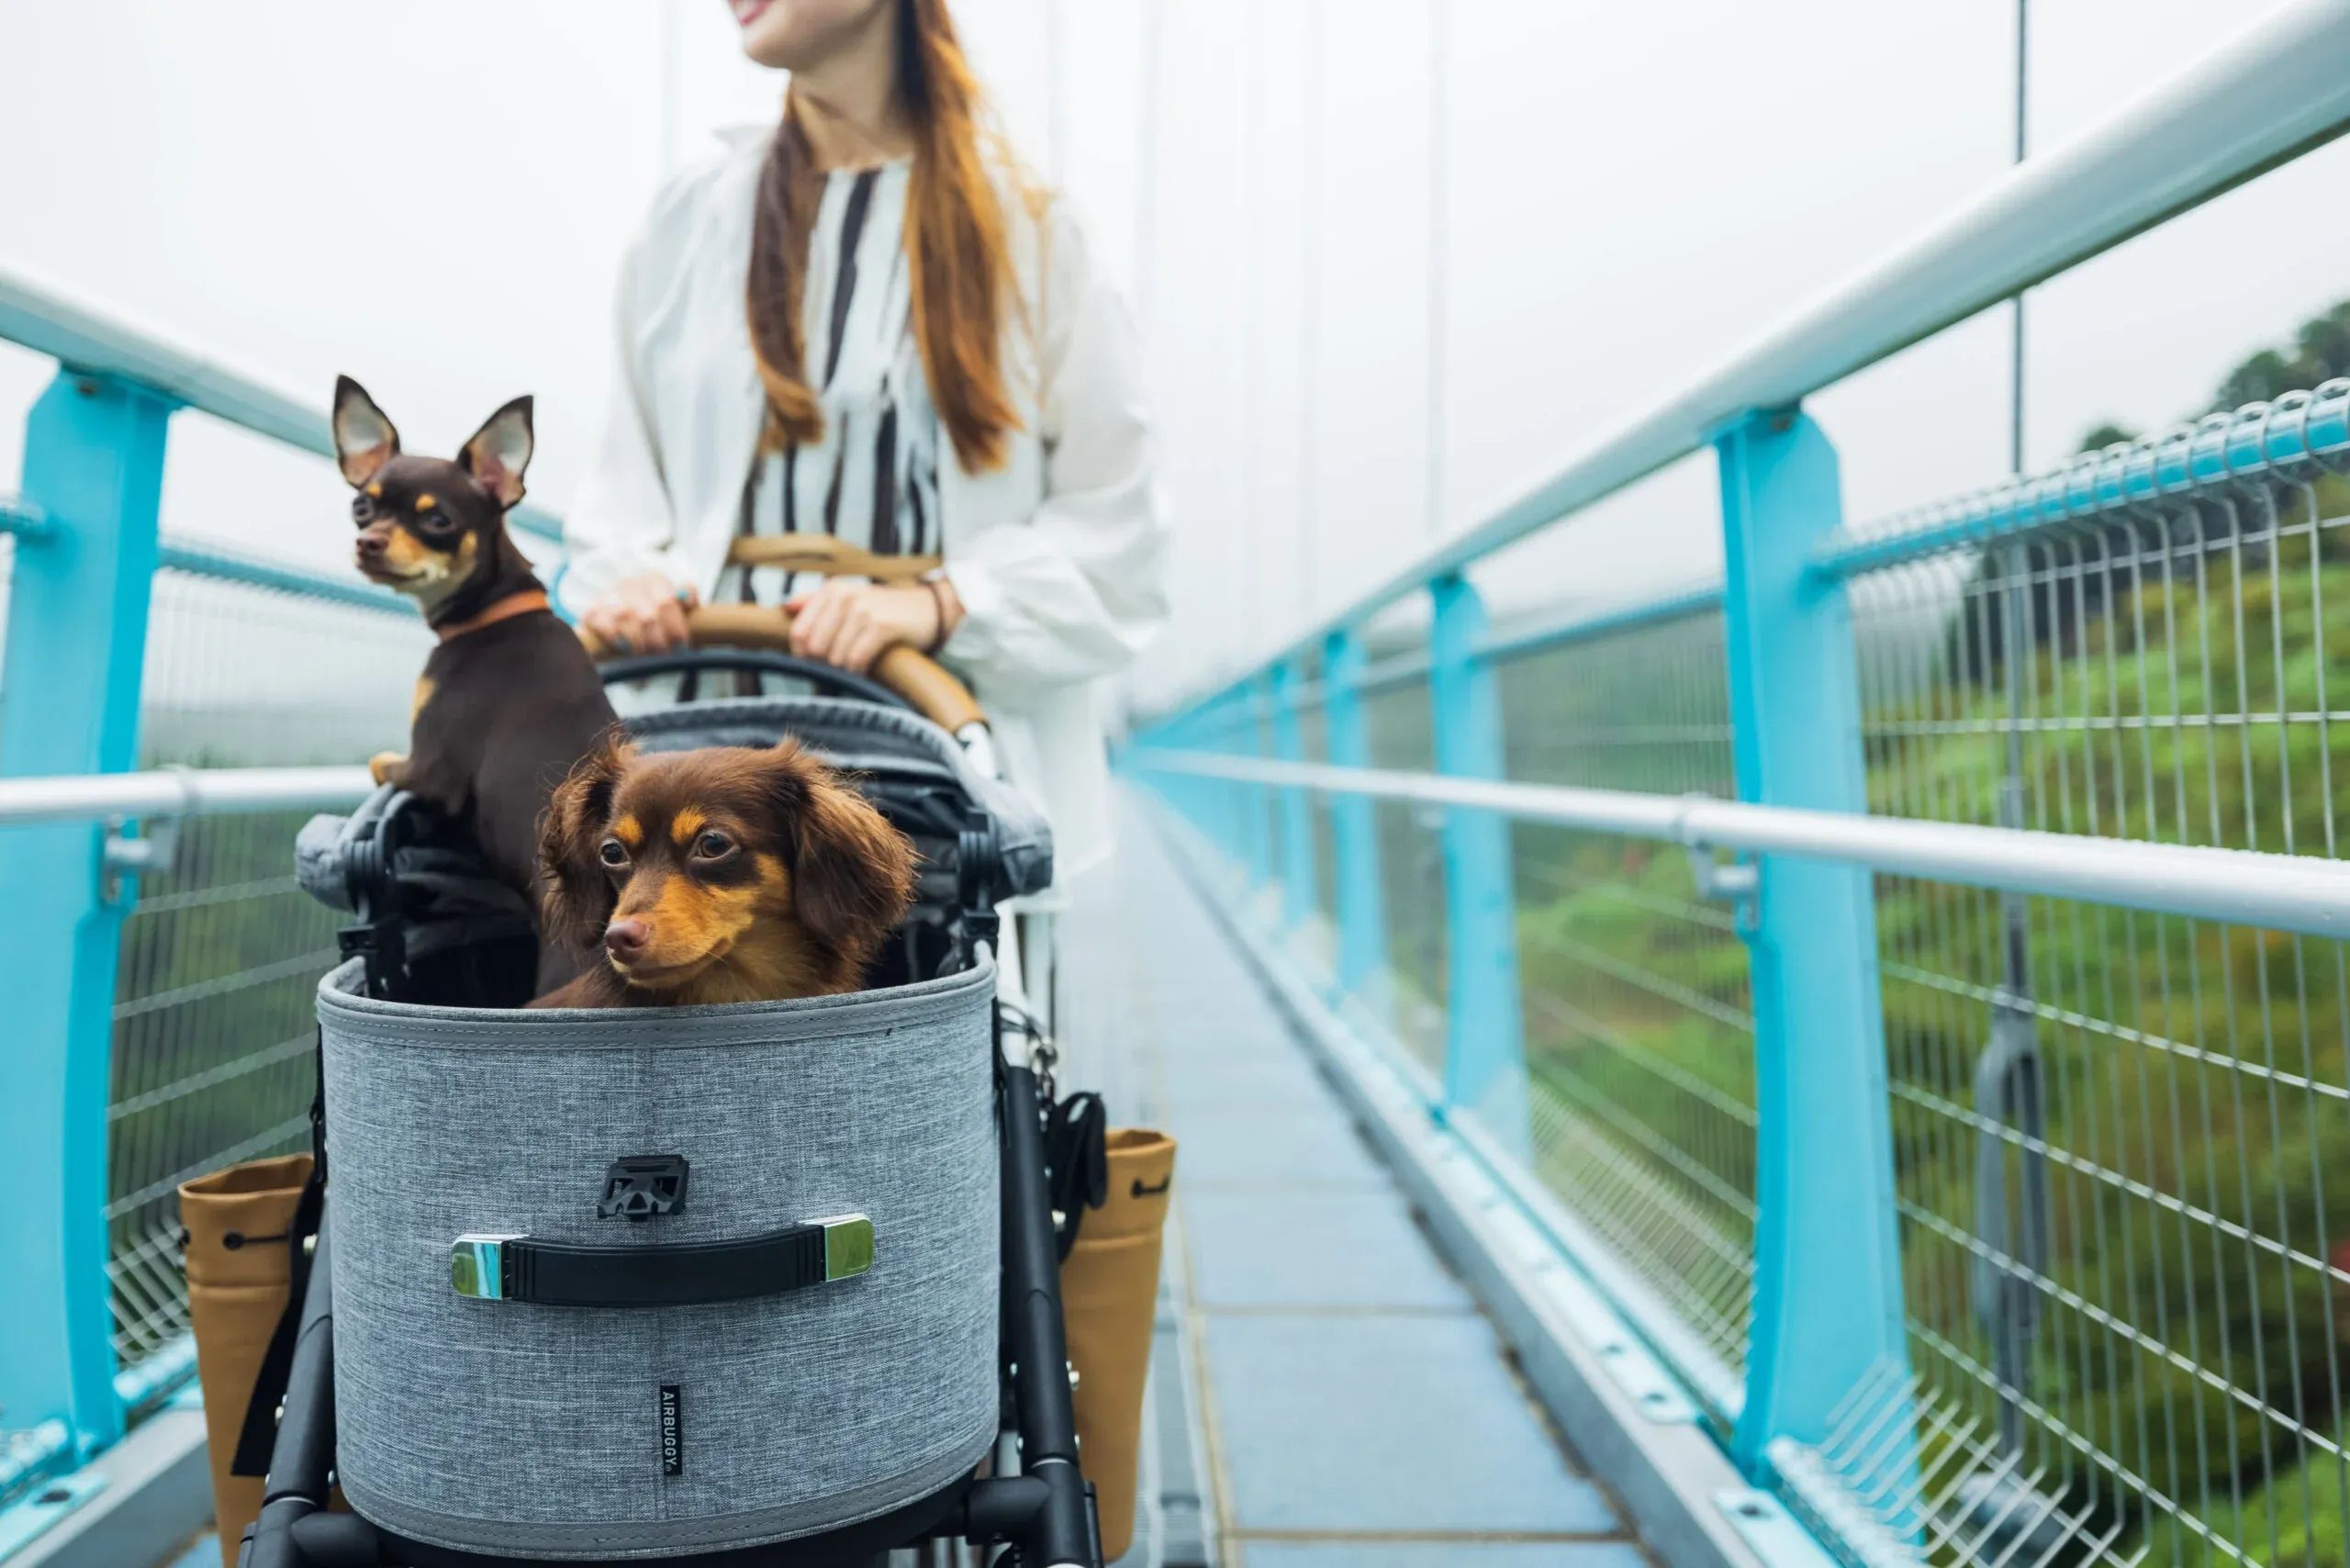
[(529, 1430)]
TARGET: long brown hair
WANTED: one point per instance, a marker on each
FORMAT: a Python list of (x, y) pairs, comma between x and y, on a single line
[(958, 257)]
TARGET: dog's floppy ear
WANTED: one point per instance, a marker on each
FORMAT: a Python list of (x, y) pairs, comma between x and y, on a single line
[(578, 900), (851, 873), (500, 450), (363, 439)]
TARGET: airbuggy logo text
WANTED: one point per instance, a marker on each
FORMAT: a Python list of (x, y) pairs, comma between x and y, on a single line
[(673, 1432)]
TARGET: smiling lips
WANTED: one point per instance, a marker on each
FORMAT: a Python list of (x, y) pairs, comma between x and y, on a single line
[(749, 11)]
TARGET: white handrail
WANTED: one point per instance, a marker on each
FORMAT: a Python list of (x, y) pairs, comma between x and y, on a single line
[(2275, 90), (2278, 893), (180, 792)]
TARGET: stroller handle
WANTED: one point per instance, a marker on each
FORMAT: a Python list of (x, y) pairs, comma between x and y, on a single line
[(823, 555), (925, 684), (914, 676)]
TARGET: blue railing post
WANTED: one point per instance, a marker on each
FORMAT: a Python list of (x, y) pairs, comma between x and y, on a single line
[(77, 637), (1229, 733), (1196, 797), (1826, 1304), (1235, 739), (1249, 704), (1218, 819), (1485, 1056), (1298, 887), (1354, 831)]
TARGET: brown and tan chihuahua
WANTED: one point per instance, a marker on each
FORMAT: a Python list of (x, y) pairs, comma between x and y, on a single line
[(730, 874), (508, 699)]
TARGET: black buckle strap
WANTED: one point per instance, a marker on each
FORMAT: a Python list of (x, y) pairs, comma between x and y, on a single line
[(1077, 1163), (677, 1273)]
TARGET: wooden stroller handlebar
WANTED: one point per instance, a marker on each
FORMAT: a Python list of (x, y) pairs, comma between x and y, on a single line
[(820, 555), (926, 685)]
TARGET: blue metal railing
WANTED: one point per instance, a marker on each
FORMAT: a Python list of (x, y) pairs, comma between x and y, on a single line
[(1753, 1099), (155, 1030)]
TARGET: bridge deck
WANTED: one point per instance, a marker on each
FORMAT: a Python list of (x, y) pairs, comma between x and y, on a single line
[(1357, 1410)]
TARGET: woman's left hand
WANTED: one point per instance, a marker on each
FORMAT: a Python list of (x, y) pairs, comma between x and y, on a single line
[(853, 623)]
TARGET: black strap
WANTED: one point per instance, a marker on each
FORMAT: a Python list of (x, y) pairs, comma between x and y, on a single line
[(259, 1434), (1077, 1160), (687, 1273)]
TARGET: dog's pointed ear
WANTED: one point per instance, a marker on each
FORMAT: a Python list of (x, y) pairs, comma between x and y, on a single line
[(852, 873), (500, 450), (577, 899), (364, 438)]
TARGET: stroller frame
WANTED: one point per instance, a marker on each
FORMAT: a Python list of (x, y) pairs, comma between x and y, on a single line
[(1036, 1500)]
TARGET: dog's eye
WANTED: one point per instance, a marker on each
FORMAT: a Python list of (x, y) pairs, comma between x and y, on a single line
[(436, 521), (363, 509), (614, 853), (713, 845)]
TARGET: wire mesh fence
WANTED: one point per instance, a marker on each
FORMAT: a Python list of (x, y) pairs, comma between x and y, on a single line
[(212, 1042), (2123, 1140), (1400, 726), (1317, 936), (220, 955), (242, 675), (1639, 1041)]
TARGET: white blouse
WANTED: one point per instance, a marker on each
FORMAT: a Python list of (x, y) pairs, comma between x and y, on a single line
[(1058, 556)]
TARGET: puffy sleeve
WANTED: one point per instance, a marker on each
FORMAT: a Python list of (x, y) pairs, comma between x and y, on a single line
[(621, 522), (1076, 591)]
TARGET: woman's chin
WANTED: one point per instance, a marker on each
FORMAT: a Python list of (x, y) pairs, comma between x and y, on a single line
[(765, 26), (795, 35)]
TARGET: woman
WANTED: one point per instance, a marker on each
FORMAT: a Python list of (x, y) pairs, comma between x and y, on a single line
[(868, 323)]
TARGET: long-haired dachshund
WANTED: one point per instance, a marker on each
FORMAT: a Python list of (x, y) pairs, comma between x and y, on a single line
[(730, 874)]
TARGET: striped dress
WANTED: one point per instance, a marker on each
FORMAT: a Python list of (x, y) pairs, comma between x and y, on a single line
[(873, 479)]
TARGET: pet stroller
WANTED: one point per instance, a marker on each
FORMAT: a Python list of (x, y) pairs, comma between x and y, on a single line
[(773, 1284)]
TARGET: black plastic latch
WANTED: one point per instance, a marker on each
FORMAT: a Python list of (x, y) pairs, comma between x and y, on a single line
[(640, 1186)]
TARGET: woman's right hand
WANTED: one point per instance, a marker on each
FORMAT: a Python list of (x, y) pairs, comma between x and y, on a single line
[(642, 614)]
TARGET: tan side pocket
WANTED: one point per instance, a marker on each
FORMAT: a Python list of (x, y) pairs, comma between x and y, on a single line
[(240, 1272), (1109, 1296)]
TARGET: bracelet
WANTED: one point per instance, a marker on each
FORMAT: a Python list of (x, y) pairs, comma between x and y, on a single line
[(938, 603)]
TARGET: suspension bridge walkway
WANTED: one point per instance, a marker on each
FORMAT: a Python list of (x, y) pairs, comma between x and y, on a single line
[(1848, 1063)]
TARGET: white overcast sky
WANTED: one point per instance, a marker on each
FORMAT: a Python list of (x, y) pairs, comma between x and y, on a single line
[(431, 195)]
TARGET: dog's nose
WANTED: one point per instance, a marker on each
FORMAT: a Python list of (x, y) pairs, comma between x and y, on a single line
[(627, 940), (370, 543)]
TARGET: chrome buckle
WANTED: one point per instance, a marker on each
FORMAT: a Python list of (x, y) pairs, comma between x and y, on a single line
[(477, 1265), (848, 1246)]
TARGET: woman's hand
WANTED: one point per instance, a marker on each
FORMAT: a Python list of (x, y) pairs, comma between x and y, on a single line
[(852, 623), (642, 614)]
